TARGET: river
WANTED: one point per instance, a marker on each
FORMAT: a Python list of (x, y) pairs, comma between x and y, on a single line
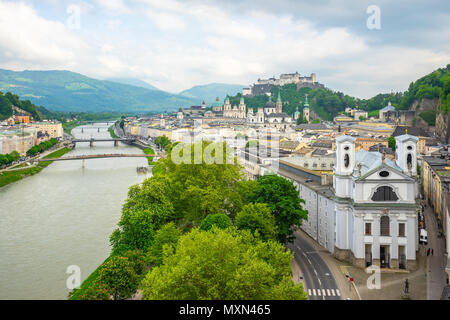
[(63, 216)]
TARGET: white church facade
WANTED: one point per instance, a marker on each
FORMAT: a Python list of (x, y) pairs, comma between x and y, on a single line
[(369, 215)]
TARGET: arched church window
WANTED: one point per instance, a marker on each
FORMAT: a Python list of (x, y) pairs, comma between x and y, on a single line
[(384, 226), (384, 193), (409, 161), (346, 160)]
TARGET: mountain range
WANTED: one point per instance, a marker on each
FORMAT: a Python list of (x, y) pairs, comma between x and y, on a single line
[(59, 90), (210, 92)]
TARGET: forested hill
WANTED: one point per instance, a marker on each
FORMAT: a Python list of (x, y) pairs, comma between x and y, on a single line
[(327, 103), (69, 91), (8, 100)]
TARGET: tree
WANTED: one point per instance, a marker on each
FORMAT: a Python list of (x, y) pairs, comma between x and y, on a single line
[(391, 143), (165, 238), (223, 264), (96, 291), (316, 120), (219, 220), (257, 218), (146, 209), (198, 188), (282, 198), (119, 277)]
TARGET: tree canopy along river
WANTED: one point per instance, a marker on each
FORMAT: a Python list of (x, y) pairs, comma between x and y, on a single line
[(63, 216)]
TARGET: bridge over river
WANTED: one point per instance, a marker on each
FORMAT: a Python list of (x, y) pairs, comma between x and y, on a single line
[(98, 156), (116, 140)]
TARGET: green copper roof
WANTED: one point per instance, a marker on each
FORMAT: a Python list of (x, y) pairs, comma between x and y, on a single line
[(279, 97), (306, 101)]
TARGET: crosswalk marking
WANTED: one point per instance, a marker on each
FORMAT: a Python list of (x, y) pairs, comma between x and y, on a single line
[(324, 292)]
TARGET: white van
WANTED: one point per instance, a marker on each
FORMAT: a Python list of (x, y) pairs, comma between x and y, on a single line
[(423, 236)]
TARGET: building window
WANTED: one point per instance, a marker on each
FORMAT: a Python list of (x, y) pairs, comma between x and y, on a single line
[(384, 193), (368, 229), (346, 160), (409, 161), (401, 229), (384, 226)]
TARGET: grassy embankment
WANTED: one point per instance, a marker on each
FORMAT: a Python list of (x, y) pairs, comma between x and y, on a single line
[(69, 125), (149, 151), (7, 177), (77, 294), (112, 133)]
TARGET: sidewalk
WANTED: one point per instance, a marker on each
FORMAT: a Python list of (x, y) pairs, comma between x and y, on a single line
[(436, 276)]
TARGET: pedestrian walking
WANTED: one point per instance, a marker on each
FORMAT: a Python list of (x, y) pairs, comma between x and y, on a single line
[(428, 252), (432, 251)]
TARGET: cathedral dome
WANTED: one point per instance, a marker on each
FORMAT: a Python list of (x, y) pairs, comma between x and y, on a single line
[(269, 104)]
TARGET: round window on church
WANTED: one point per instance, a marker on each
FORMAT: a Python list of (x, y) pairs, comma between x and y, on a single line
[(346, 148), (384, 174), (409, 148)]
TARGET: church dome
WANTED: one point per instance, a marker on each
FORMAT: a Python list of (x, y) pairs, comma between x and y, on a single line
[(269, 104)]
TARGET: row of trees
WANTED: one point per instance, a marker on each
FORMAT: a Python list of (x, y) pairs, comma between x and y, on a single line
[(202, 231), (7, 159), (45, 145)]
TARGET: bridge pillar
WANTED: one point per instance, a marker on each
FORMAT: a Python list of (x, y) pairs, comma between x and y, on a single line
[(82, 164), (116, 143), (91, 143), (98, 130)]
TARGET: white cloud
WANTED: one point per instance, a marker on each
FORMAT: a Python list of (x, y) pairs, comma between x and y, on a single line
[(166, 21), (198, 43), (30, 41)]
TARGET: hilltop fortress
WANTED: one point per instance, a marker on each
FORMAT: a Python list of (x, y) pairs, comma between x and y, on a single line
[(263, 86)]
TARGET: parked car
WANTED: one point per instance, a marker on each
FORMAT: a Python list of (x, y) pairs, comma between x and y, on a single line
[(423, 236)]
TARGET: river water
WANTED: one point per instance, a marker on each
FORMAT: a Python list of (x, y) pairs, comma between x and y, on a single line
[(63, 216)]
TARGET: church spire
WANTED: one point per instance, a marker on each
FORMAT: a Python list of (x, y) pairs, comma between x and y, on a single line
[(306, 104), (279, 105)]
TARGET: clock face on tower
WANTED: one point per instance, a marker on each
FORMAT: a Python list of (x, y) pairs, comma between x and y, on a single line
[(346, 160)]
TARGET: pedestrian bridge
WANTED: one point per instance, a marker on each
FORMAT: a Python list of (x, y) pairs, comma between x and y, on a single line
[(92, 140), (98, 156)]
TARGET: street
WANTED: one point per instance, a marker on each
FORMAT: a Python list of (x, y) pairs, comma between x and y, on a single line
[(436, 276), (318, 280)]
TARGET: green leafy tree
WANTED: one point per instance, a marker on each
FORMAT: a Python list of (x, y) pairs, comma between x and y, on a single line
[(119, 277), (146, 209), (391, 143), (223, 265), (282, 198), (96, 291), (197, 187), (258, 219), (165, 238), (220, 220)]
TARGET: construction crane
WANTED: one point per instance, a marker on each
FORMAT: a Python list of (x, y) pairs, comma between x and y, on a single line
[(23, 138)]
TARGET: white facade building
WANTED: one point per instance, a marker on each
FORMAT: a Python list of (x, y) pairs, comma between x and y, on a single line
[(369, 215)]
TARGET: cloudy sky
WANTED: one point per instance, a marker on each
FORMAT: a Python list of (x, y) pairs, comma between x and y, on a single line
[(176, 44)]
